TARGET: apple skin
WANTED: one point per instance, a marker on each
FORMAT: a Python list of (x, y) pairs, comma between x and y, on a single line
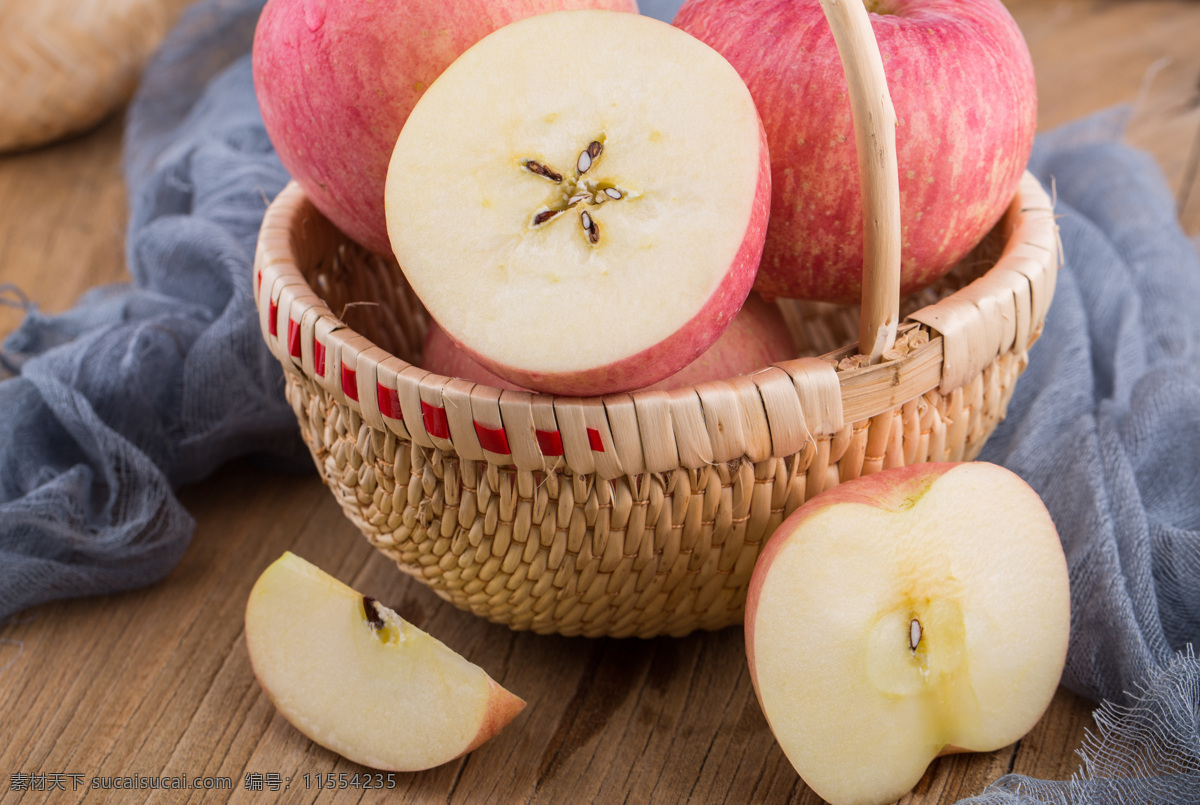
[(962, 83), (336, 79), (1012, 620), (757, 337)]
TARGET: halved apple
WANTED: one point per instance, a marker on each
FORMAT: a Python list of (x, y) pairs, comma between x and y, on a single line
[(581, 199), (357, 679), (916, 612)]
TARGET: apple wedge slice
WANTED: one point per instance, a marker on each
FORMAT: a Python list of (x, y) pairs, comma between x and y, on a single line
[(357, 679), (580, 200), (916, 612)]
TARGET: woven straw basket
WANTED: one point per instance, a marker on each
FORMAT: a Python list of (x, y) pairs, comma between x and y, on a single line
[(65, 65), (640, 513)]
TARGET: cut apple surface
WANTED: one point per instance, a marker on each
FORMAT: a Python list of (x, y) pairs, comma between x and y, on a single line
[(903, 615), (357, 679), (580, 200)]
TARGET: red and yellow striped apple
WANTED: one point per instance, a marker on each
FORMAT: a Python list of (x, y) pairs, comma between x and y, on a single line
[(919, 611), (962, 84), (580, 200), (336, 79)]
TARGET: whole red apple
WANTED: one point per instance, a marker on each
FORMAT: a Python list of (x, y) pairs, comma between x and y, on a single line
[(336, 79), (962, 84)]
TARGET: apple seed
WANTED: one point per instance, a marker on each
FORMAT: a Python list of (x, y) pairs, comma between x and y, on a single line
[(544, 216), (588, 156), (589, 226), (914, 634), (373, 618), (541, 170)]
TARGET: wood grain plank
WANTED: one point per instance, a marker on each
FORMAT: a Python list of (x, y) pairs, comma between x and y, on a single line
[(1092, 54)]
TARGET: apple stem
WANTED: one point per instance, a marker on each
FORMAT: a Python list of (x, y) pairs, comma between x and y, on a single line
[(875, 138)]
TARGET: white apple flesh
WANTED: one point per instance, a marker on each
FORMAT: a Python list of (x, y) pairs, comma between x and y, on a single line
[(580, 200), (919, 611), (357, 679)]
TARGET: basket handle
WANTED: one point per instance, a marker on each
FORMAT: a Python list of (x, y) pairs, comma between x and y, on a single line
[(879, 175)]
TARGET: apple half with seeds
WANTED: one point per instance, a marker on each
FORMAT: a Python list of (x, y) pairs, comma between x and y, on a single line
[(919, 611), (580, 200), (354, 677)]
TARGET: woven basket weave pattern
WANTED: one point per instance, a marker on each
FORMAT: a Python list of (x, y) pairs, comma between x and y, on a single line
[(635, 514)]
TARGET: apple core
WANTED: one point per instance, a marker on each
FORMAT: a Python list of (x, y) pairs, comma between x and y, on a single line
[(577, 190)]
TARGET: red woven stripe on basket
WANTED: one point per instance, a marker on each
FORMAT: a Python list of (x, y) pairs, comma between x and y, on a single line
[(273, 319), (389, 401), (550, 442), (436, 423), (493, 440), (318, 358), (293, 338), (349, 382), (595, 441)]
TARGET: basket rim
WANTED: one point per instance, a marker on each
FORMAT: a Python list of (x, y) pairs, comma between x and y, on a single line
[(773, 412)]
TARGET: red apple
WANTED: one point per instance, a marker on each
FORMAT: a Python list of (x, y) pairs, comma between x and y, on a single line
[(757, 337), (336, 80), (902, 615), (962, 84), (588, 222)]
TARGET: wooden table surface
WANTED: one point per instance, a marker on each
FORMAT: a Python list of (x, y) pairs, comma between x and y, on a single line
[(157, 681)]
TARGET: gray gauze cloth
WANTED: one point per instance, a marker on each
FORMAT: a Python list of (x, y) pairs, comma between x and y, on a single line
[(147, 386)]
